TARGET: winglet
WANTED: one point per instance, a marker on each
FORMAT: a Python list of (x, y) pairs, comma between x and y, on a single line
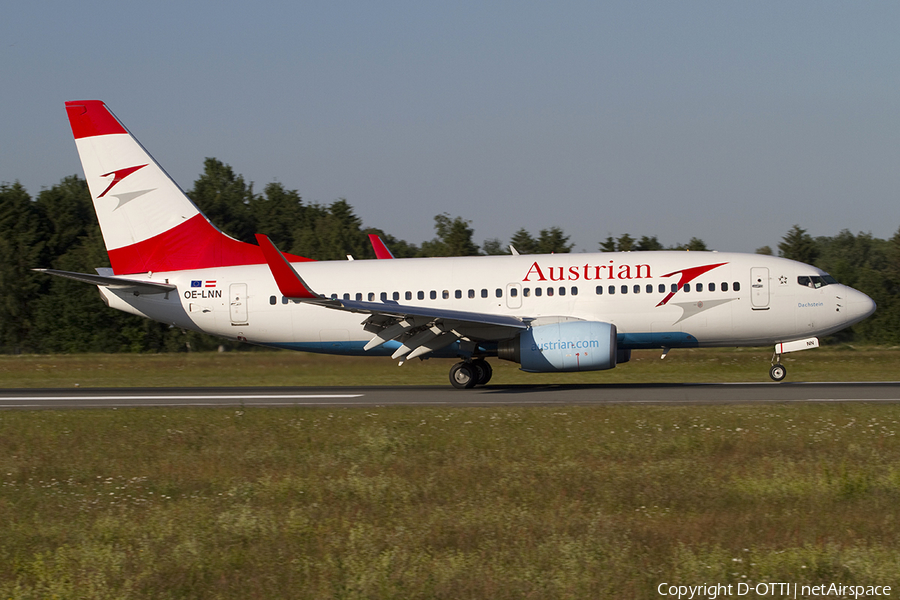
[(381, 251), (289, 283)]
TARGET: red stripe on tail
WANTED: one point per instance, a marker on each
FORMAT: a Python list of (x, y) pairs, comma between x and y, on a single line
[(194, 244)]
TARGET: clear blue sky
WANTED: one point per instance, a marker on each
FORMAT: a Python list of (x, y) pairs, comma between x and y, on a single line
[(728, 121)]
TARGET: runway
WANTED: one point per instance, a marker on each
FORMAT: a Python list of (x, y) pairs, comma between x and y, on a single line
[(517, 395)]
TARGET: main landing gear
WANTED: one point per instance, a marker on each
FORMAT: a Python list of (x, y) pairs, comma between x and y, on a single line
[(469, 373)]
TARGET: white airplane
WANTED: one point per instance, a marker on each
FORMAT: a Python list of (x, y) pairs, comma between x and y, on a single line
[(549, 313)]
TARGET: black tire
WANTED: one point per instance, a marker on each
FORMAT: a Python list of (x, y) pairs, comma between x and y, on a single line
[(463, 376), (778, 372), (483, 371)]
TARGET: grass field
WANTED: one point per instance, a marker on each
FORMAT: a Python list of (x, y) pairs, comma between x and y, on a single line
[(581, 502), (537, 502), (301, 369)]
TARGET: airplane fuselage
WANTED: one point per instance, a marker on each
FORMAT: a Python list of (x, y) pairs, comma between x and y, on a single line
[(725, 299)]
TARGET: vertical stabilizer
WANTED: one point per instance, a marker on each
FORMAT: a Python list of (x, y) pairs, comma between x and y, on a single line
[(148, 223)]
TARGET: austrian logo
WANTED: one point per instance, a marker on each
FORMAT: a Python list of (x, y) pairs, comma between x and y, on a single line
[(613, 271)]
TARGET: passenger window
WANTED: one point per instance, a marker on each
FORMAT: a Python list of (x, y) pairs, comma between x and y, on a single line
[(334, 296), (284, 299), (445, 294), (649, 288), (737, 286), (699, 287), (712, 287), (346, 296), (637, 289), (358, 297), (662, 288), (687, 287), (433, 295), (526, 292), (611, 289), (574, 291), (384, 296), (408, 295), (599, 290), (674, 288), (471, 293), (457, 294), (624, 289), (420, 295), (513, 292), (499, 293), (538, 291), (562, 291), (273, 300), (549, 291), (396, 296), (483, 292), (724, 286)]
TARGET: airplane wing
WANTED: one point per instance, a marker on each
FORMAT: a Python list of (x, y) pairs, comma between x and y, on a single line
[(381, 251), (115, 283), (419, 329)]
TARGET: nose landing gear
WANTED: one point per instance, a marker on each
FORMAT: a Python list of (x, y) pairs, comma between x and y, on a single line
[(777, 372)]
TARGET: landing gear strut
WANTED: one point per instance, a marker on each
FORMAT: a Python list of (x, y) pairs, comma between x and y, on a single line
[(467, 374)]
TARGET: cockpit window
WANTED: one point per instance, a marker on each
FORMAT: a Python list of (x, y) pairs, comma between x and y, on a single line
[(815, 281)]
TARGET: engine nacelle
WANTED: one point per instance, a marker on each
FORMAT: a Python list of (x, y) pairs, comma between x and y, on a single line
[(566, 346)]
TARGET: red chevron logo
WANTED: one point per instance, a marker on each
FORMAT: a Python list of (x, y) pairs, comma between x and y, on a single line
[(119, 176)]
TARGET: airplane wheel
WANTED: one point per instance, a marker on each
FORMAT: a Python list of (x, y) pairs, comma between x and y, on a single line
[(778, 372), (483, 371), (463, 376)]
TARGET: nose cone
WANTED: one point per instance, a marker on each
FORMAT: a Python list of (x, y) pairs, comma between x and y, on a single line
[(859, 306)]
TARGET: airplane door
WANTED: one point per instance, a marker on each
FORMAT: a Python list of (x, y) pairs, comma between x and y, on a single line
[(238, 293), (514, 295), (759, 288)]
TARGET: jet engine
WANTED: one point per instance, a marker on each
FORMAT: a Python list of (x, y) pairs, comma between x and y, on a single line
[(564, 346)]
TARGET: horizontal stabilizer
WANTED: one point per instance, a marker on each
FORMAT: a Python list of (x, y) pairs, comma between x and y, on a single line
[(115, 283)]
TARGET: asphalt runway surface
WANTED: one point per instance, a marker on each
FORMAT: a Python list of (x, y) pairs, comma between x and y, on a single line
[(506, 395)]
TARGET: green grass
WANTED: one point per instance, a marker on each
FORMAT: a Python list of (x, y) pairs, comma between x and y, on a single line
[(548, 502), (299, 369)]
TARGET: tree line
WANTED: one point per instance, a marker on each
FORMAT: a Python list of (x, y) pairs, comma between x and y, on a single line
[(58, 229)]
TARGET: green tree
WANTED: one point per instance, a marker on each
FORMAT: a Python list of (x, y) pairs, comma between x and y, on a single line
[(609, 245), (765, 250), (647, 244), (523, 242), (695, 245), (68, 212), (454, 238), (625, 243), (336, 232), (798, 245), (276, 213), (225, 199), (23, 238), (494, 247), (553, 240)]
